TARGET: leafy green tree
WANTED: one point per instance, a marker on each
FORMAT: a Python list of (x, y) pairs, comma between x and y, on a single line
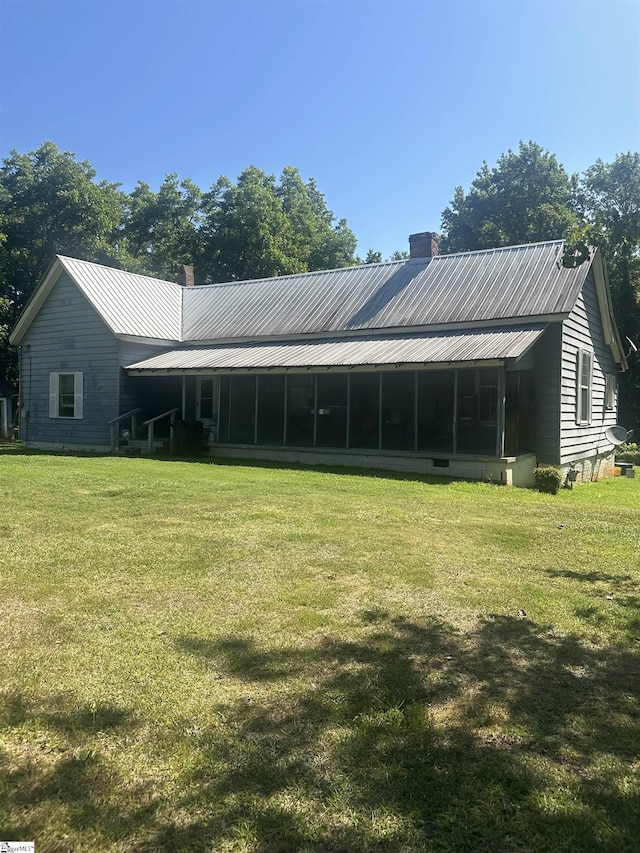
[(161, 229), (608, 198), (399, 255), (373, 257), (245, 230), (50, 204), (259, 228), (527, 197), (321, 242)]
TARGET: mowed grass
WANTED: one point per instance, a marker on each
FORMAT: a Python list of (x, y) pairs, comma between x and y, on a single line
[(222, 657)]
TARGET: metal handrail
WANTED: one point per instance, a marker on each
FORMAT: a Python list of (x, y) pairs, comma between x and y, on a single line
[(112, 425), (149, 425)]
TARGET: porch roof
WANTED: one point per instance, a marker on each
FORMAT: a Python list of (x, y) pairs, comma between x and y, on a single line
[(488, 344)]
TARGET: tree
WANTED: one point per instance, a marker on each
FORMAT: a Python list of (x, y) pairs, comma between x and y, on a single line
[(260, 228), (372, 257), (49, 204), (608, 197), (321, 241), (399, 255), (527, 197), (161, 229)]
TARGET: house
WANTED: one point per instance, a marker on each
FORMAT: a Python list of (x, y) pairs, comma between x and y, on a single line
[(477, 365)]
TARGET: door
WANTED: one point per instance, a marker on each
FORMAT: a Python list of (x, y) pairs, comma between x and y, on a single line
[(207, 405)]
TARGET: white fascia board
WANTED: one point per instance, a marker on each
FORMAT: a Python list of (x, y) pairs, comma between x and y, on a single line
[(321, 369), (609, 327)]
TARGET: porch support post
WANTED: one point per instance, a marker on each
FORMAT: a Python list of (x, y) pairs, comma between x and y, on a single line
[(502, 397)]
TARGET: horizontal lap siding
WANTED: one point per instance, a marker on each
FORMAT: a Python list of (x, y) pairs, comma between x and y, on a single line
[(583, 330), (547, 393), (68, 336)]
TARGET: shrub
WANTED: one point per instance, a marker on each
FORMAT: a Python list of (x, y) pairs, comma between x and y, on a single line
[(628, 452), (547, 479)]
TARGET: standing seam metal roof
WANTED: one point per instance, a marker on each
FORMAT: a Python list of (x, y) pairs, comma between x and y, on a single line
[(491, 285), (130, 304), (438, 347), (497, 284)]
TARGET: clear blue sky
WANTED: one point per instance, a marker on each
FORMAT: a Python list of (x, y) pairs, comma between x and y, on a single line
[(388, 105)]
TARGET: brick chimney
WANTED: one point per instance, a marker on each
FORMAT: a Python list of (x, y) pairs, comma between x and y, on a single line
[(423, 245), (185, 276)]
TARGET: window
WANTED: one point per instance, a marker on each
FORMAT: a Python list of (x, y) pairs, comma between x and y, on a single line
[(65, 395), (206, 401), (584, 385), (610, 391), (477, 411)]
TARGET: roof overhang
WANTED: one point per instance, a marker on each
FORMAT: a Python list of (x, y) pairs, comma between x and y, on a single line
[(437, 348), (609, 327), (36, 302)]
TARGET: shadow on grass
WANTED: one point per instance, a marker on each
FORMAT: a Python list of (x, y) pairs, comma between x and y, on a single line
[(619, 591), (54, 781), (411, 737), (421, 738)]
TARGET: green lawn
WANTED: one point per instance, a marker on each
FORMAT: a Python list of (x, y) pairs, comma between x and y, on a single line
[(218, 657)]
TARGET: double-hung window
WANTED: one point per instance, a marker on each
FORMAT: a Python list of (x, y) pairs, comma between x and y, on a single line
[(65, 395), (584, 387)]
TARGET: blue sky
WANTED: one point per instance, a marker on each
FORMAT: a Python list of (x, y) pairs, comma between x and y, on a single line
[(388, 105)]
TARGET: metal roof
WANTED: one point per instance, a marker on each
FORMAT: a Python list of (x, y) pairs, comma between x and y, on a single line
[(526, 283), (438, 347), (496, 284), (130, 304)]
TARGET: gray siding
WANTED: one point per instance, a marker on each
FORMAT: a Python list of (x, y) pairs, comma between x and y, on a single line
[(153, 395), (583, 330), (68, 336), (547, 390)]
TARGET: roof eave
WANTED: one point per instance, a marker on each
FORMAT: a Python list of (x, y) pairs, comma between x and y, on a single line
[(152, 342), (36, 301), (377, 332), (609, 326)]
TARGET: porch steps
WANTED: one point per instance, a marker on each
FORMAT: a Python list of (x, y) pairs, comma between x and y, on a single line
[(140, 447)]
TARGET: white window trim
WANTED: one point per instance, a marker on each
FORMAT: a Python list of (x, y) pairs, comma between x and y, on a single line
[(583, 418), (54, 394)]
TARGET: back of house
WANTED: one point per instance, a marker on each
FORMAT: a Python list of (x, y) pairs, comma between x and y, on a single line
[(479, 365)]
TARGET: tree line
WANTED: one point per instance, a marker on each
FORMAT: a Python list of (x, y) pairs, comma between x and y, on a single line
[(528, 197), (260, 226)]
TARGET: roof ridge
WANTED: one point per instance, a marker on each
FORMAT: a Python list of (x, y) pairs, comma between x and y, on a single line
[(494, 249), (63, 258), (309, 273)]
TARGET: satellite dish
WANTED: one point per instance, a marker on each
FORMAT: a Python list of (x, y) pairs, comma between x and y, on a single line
[(617, 434)]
